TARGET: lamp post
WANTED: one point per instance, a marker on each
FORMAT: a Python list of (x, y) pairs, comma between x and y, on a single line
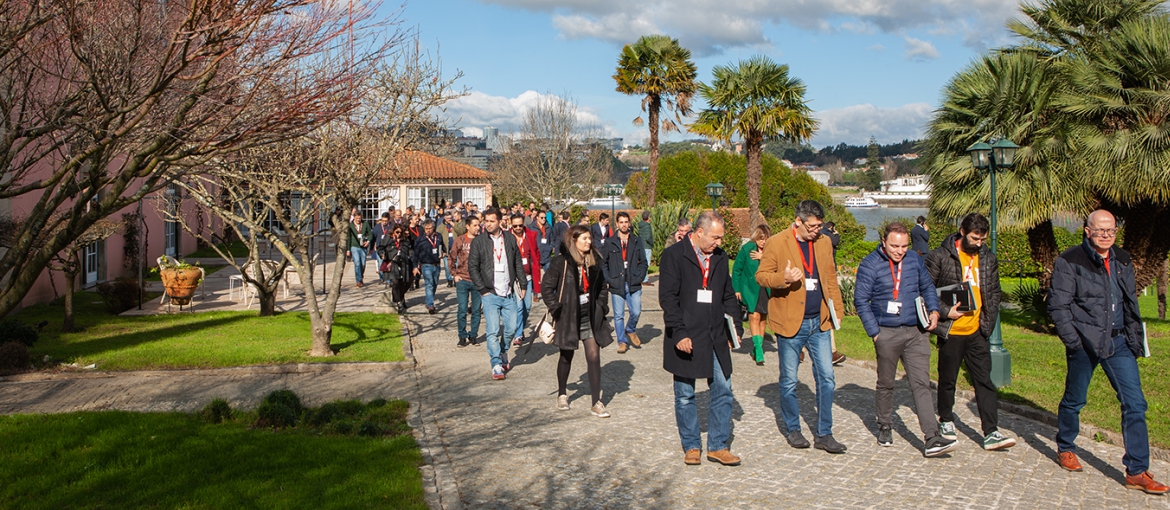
[(714, 190), (993, 157)]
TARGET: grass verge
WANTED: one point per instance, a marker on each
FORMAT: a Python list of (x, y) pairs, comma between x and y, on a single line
[(116, 459), (205, 339), (235, 249), (1038, 371)]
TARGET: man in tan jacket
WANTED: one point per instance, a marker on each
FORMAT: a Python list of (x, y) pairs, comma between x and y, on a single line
[(799, 269)]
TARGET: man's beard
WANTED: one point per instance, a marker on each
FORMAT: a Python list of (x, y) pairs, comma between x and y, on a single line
[(969, 249)]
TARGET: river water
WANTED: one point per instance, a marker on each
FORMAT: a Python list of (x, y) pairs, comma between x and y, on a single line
[(873, 217)]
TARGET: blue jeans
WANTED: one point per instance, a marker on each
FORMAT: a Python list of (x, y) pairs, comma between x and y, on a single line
[(686, 414), (620, 325), (430, 276), (1122, 370), (523, 308), (820, 352), (648, 252), (465, 291), (447, 270), (359, 262), (496, 309)]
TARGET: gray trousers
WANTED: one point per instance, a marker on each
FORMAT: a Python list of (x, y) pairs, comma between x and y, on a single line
[(912, 346)]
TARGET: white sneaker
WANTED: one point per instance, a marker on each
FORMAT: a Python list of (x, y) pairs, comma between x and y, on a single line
[(563, 403), (599, 410)]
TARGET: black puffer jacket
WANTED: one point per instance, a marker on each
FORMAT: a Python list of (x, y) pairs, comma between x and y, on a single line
[(943, 265), (1080, 302)]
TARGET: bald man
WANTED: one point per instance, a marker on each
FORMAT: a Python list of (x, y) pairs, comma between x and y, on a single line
[(1093, 302)]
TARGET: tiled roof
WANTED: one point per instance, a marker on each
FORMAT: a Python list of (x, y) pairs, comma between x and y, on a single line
[(421, 166)]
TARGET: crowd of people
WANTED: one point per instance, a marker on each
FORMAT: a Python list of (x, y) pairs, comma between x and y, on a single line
[(590, 278)]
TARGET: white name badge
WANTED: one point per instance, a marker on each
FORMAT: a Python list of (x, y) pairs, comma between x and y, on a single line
[(524, 261), (544, 241), (704, 296), (894, 307), (435, 251), (584, 298), (626, 264), (810, 283)]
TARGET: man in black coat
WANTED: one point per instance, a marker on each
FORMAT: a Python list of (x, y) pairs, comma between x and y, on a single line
[(624, 264), (695, 295), (1093, 303), (558, 232), (920, 237), (498, 274), (601, 231), (963, 258)]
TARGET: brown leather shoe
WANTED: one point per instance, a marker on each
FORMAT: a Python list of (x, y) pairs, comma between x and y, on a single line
[(1069, 461), (724, 457), (622, 348), (693, 457), (1143, 482), (635, 340), (647, 284), (359, 285)]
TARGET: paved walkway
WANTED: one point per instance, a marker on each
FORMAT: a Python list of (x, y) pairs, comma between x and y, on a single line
[(502, 444)]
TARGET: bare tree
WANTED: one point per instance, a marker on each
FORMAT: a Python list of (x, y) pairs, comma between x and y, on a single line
[(552, 158), (69, 262), (102, 102), (275, 194)]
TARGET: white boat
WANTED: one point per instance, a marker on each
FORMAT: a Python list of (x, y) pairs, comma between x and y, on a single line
[(861, 202)]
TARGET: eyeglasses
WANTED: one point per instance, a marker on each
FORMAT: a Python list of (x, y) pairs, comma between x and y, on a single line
[(1103, 232), (812, 228)]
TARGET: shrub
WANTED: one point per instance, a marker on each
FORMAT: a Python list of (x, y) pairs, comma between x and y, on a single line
[(286, 398), (664, 218), (850, 254), (333, 411), (13, 356), (1033, 304), (732, 237), (276, 415), (119, 295), (12, 330), (848, 284), (217, 411)]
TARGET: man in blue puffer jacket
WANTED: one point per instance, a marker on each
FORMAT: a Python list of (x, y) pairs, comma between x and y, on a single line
[(889, 281)]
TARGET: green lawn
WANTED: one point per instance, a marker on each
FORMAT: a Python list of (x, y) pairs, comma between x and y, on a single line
[(235, 249), (1038, 370), (117, 459), (204, 339)]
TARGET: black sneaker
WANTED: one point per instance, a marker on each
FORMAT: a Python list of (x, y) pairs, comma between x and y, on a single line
[(885, 436), (828, 444), (938, 445), (797, 440), (462, 342)]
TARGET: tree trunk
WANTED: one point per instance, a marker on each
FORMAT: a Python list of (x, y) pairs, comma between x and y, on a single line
[(323, 324), (1042, 241), (70, 282), (754, 175), (1162, 289), (322, 336), (1145, 239), (652, 185), (267, 303)]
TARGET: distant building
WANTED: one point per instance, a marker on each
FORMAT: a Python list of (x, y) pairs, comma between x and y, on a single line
[(426, 180), (820, 176), (491, 138)]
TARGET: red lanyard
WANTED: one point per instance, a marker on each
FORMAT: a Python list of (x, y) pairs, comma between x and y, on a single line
[(623, 250), (433, 243), (499, 252), (970, 265), (897, 278), (809, 265), (705, 266), (584, 280)]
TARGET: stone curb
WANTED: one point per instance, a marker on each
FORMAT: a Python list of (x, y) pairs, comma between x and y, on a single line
[(1037, 415), (291, 368)]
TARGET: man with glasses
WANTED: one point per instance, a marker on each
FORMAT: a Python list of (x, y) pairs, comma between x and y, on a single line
[(798, 267), (682, 230), (964, 260), (530, 259), (1093, 303)]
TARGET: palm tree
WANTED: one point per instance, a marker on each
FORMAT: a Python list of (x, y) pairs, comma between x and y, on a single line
[(1118, 95), (658, 68), (758, 101)]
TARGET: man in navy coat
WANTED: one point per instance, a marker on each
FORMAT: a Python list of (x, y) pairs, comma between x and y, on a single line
[(695, 295)]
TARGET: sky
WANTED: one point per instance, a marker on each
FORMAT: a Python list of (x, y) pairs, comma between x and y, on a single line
[(872, 67)]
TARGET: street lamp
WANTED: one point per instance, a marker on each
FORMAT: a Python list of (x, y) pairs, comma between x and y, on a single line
[(714, 190), (993, 157), (612, 191)]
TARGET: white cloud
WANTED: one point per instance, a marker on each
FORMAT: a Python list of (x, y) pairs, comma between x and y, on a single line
[(877, 47), (855, 124), (473, 112), (917, 49), (711, 26)]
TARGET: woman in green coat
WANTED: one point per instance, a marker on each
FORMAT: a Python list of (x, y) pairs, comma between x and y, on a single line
[(743, 278)]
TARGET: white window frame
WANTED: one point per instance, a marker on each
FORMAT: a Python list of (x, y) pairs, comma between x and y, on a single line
[(90, 260), (477, 195), (416, 196)]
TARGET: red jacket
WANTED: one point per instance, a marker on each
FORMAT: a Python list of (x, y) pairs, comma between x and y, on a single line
[(530, 249)]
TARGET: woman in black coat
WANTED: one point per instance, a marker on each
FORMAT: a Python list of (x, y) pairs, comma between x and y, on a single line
[(578, 311), (395, 253)]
